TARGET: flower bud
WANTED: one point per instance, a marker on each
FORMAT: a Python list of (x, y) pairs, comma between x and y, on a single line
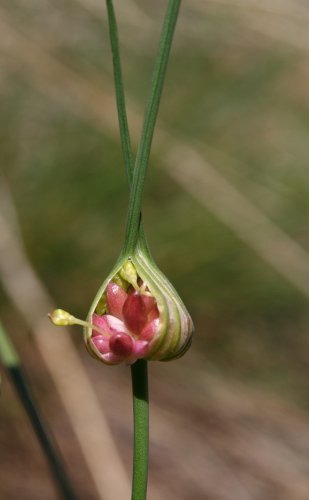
[(61, 318), (138, 315)]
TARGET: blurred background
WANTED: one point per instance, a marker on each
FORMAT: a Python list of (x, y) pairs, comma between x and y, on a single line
[(226, 213)]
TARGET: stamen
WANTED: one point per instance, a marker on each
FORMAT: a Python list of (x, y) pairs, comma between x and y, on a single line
[(59, 317)]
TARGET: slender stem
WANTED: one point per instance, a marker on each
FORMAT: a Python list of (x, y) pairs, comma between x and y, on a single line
[(141, 426), (121, 105), (120, 97), (48, 445), (8, 354), (142, 158), (11, 361), (134, 230)]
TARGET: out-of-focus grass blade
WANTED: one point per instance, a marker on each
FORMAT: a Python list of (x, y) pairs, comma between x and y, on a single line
[(11, 361)]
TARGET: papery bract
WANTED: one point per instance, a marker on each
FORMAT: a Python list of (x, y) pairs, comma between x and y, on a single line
[(144, 316)]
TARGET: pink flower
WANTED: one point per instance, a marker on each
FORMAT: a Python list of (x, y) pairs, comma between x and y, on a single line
[(136, 314), (129, 328)]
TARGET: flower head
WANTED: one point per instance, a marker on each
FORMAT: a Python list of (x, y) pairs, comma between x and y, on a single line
[(139, 315), (136, 314), (130, 325)]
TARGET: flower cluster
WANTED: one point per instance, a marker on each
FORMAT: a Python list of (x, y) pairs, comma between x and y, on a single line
[(130, 326), (136, 314)]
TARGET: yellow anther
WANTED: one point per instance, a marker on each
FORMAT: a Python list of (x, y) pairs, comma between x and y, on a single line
[(61, 318)]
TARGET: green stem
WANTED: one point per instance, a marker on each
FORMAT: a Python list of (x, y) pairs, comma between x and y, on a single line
[(121, 105), (141, 426), (119, 89), (8, 353), (134, 231), (142, 158), (11, 361)]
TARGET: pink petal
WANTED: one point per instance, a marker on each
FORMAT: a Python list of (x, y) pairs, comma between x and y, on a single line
[(108, 323), (121, 344), (115, 325), (154, 313), (101, 322), (101, 343), (140, 348), (116, 297), (149, 302), (150, 329), (110, 357), (135, 313)]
